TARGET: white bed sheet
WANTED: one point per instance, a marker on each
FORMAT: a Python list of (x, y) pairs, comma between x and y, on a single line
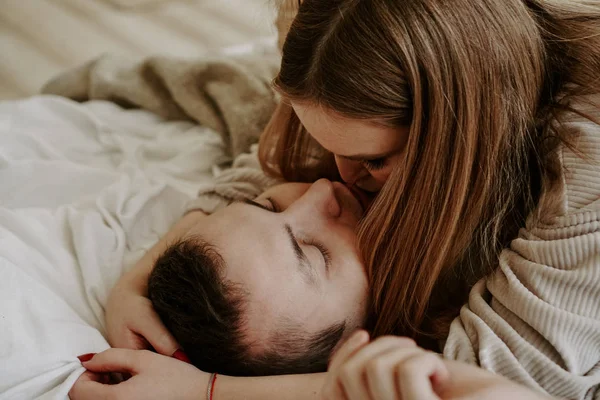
[(85, 189)]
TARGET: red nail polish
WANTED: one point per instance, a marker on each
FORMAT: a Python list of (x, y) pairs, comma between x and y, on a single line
[(181, 356), (86, 357)]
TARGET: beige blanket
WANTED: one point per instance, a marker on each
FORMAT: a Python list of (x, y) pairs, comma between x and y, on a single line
[(231, 95)]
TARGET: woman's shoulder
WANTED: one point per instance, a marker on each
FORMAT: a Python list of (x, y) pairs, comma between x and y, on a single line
[(540, 306), (578, 188)]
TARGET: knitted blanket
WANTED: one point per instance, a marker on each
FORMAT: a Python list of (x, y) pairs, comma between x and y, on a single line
[(232, 96)]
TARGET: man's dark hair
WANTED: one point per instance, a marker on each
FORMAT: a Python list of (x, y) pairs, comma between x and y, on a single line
[(204, 312)]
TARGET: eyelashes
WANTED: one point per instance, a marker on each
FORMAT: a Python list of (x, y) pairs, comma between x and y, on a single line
[(375, 164), (274, 207), (322, 249)]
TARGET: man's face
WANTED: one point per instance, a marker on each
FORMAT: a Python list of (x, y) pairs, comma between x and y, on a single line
[(293, 251)]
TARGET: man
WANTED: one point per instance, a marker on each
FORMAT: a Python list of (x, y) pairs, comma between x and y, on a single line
[(266, 286)]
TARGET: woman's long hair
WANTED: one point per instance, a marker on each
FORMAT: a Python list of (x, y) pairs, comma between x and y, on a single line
[(482, 85)]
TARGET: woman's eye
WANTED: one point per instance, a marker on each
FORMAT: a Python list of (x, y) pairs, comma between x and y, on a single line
[(374, 164)]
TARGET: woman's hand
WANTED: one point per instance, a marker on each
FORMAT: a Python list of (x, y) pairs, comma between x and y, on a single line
[(153, 376), (132, 323), (395, 368), (387, 368)]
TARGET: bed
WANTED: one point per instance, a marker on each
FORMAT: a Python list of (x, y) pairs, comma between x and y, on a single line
[(87, 188)]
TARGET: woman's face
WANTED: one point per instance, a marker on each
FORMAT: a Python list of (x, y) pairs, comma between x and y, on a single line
[(293, 251), (365, 151)]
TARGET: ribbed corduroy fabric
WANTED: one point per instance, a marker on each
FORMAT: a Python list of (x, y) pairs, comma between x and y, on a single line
[(536, 320)]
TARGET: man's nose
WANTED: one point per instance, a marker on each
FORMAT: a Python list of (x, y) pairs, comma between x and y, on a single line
[(350, 171), (319, 202)]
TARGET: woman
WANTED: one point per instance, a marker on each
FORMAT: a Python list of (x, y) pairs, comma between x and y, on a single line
[(469, 120)]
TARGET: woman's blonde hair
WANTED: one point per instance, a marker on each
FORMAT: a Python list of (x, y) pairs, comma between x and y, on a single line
[(482, 85)]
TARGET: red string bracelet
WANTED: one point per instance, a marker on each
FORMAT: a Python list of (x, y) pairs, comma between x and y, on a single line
[(211, 386)]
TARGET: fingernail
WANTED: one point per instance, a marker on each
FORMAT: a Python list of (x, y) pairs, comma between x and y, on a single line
[(181, 356), (86, 357)]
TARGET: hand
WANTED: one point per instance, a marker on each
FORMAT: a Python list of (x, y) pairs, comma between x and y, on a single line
[(388, 368), (132, 323), (395, 368), (153, 376)]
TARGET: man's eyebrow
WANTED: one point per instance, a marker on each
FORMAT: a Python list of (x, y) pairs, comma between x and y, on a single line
[(304, 266)]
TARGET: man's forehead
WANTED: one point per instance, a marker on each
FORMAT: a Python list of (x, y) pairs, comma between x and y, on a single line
[(246, 238)]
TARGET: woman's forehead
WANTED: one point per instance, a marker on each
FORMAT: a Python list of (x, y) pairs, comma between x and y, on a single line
[(347, 137)]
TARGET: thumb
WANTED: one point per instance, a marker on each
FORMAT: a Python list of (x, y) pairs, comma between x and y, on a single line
[(355, 342), (151, 328), (132, 340), (116, 360)]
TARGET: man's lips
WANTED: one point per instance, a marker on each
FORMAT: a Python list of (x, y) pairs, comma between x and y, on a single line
[(363, 198)]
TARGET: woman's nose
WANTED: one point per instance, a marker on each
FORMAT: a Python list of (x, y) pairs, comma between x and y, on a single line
[(350, 171), (319, 201)]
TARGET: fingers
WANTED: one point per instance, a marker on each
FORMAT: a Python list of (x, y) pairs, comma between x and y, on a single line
[(131, 340), (88, 386), (418, 374), (388, 368), (117, 360), (353, 375), (151, 328), (357, 340), (92, 376), (125, 338), (332, 389), (380, 372)]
